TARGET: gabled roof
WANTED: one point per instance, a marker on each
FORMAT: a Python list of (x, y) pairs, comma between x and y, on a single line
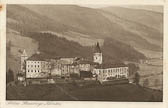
[(36, 57), (85, 62), (97, 48), (109, 65)]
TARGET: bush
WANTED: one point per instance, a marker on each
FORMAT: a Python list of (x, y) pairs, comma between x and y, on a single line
[(86, 74), (74, 76)]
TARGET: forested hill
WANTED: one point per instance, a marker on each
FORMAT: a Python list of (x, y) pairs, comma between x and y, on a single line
[(57, 46)]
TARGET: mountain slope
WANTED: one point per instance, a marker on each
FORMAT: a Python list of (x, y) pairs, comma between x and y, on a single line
[(95, 24), (120, 38), (148, 18)]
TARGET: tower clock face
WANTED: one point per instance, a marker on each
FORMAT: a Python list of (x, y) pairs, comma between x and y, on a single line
[(97, 57)]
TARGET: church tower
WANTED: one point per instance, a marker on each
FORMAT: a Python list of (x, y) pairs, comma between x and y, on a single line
[(24, 57), (97, 56)]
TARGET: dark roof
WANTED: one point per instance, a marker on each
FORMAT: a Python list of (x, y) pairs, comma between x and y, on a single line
[(37, 57), (108, 65), (85, 62), (97, 48)]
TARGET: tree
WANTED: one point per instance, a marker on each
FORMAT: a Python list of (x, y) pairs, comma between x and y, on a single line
[(132, 68), (146, 83), (137, 78), (10, 76)]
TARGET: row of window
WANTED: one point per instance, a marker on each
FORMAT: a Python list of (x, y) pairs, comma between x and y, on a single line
[(33, 70), (112, 73), (33, 62), (114, 70), (33, 66)]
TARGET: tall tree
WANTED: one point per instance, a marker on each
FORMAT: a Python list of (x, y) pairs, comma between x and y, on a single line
[(132, 68), (137, 78), (10, 76)]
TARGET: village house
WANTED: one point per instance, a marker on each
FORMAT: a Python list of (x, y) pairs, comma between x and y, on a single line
[(86, 65), (56, 67)]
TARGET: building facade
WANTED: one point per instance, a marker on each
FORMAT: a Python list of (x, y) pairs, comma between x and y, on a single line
[(37, 67), (110, 72)]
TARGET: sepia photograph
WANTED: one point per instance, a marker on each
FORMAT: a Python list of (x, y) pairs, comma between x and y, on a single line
[(64, 52)]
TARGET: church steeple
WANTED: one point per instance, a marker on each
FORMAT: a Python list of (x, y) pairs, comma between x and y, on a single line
[(97, 56), (24, 53), (97, 48)]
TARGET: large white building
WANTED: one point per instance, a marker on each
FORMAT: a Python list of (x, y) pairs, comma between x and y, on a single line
[(37, 67), (107, 72)]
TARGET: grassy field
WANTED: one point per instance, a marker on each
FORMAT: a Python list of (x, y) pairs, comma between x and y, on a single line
[(153, 72), (69, 92)]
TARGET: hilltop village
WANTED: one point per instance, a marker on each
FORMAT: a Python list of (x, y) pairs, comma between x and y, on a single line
[(36, 68)]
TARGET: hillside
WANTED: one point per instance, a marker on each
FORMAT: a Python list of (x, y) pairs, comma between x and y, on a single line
[(140, 33), (70, 30), (69, 21), (112, 49), (69, 92), (149, 18)]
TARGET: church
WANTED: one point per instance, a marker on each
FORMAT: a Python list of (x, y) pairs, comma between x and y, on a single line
[(108, 71)]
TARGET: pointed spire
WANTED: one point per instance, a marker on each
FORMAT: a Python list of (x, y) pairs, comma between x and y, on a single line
[(24, 53), (97, 48)]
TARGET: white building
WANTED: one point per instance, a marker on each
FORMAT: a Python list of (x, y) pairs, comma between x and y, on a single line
[(107, 72), (37, 67)]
